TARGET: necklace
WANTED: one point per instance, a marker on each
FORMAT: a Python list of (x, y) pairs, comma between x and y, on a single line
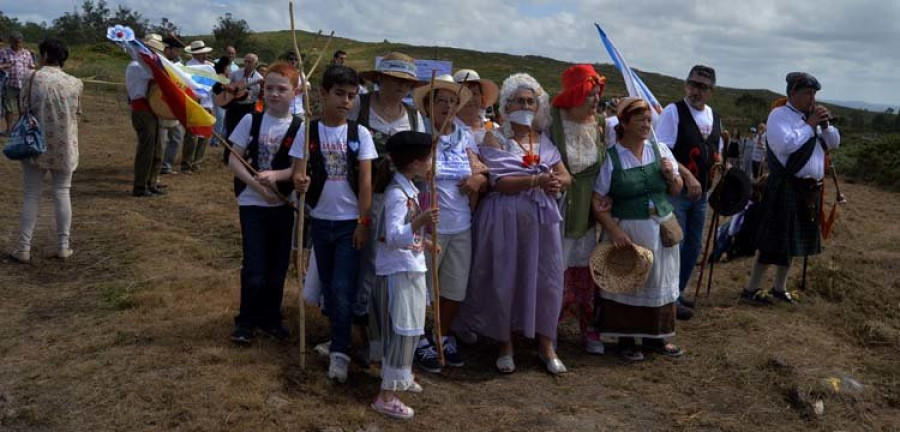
[(383, 111)]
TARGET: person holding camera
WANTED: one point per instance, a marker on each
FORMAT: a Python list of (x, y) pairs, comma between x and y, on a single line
[(799, 136)]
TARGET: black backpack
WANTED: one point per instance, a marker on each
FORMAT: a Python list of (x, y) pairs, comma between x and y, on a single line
[(316, 165), (282, 159)]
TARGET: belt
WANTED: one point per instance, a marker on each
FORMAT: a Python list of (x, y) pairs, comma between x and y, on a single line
[(140, 104)]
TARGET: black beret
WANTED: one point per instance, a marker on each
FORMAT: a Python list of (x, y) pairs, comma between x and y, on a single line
[(801, 80), (408, 140)]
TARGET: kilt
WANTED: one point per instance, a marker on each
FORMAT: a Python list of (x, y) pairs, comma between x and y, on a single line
[(790, 210)]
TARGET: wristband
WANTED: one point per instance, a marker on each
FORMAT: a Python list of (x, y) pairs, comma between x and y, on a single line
[(365, 221)]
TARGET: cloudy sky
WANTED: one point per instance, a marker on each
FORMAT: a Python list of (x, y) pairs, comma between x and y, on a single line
[(853, 47)]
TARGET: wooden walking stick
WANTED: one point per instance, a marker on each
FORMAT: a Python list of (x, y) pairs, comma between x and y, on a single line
[(252, 170), (712, 264), (709, 237), (301, 200)]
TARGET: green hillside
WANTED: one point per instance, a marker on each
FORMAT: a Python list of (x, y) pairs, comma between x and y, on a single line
[(106, 62)]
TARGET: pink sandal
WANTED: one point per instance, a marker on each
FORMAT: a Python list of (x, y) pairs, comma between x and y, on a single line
[(393, 408)]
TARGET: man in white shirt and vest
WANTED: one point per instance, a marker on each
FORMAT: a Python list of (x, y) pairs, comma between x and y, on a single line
[(800, 135), (693, 131)]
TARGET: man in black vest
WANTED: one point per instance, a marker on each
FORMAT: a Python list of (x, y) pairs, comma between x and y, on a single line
[(693, 132)]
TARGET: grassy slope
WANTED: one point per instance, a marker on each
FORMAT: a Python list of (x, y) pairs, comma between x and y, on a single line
[(106, 62)]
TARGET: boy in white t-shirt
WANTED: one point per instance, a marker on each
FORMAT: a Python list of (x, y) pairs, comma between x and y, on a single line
[(266, 220), (339, 192)]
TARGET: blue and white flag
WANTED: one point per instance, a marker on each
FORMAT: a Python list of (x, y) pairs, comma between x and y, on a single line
[(633, 83)]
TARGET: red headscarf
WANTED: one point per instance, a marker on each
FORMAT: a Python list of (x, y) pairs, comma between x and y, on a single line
[(578, 81)]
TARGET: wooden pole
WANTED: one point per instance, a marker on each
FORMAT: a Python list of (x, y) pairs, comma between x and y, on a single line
[(253, 171), (432, 187), (301, 200)]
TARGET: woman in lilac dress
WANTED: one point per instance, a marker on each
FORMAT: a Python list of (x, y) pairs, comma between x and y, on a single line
[(516, 281)]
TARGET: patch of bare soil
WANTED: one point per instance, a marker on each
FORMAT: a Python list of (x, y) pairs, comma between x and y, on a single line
[(132, 332)]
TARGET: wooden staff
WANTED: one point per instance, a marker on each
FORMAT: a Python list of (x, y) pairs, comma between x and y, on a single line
[(432, 183), (253, 171), (710, 238), (301, 199), (315, 65)]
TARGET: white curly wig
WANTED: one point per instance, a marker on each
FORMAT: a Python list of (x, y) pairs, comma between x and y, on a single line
[(515, 83)]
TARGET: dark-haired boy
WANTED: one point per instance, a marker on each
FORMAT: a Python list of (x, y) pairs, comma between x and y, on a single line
[(339, 190)]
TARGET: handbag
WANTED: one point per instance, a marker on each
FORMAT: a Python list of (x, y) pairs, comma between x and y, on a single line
[(26, 139), (670, 231)]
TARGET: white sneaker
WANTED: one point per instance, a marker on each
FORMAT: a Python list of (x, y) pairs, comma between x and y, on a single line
[(64, 253), (337, 370), (594, 347), (21, 256), (323, 349)]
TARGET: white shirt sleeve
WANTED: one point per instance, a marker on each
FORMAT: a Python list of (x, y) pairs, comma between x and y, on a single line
[(667, 127), (604, 178), (366, 145), (240, 136), (831, 136), (297, 147), (783, 137), (398, 233)]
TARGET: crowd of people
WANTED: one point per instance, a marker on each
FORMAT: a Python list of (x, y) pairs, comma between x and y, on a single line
[(531, 208)]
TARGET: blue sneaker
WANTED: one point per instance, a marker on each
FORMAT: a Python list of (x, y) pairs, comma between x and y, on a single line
[(426, 357)]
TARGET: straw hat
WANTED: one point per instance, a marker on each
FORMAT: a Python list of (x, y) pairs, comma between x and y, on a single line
[(620, 270), (198, 47), (397, 65), (441, 82), (154, 42), (489, 90)]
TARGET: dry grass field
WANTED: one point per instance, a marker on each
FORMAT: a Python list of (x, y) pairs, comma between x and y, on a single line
[(132, 332)]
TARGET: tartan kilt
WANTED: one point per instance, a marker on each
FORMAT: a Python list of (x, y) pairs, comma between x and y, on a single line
[(786, 226)]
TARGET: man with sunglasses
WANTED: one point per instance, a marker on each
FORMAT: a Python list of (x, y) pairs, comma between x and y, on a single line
[(693, 131)]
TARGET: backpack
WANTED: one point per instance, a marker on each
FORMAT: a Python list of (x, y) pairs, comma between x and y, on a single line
[(282, 159), (382, 168), (316, 162)]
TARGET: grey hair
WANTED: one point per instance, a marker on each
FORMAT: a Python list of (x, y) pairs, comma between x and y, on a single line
[(518, 82)]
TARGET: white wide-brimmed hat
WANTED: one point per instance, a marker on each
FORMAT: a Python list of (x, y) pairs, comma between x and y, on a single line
[(154, 42), (490, 92), (441, 82), (198, 47), (620, 270)]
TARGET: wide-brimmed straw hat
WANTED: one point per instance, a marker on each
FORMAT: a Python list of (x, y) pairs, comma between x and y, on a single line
[(154, 42), (198, 47), (397, 65), (620, 270), (441, 82), (490, 92)]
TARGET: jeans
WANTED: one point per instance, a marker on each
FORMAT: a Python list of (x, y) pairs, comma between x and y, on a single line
[(172, 137), (266, 239), (338, 264), (62, 205), (691, 216)]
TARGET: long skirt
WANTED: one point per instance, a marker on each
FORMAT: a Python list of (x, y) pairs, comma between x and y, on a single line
[(650, 311)]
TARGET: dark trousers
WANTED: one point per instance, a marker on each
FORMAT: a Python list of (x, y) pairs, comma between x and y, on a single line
[(338, 264), (266, 239), (192, 152), (148, 155)]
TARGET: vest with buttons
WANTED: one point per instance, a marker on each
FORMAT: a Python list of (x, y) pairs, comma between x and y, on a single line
[(631, 190)]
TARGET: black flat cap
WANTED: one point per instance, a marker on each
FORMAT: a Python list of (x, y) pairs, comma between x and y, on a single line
[(172, 42), (801, 80)]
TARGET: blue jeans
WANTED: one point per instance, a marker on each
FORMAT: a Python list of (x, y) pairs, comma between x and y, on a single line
[(338, 264), (691, 216), (266, 239)]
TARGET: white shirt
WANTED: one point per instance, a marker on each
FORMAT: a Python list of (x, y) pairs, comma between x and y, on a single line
[(401, 250), (338, 202), (628, 161), (252, 82), (137, 81), (271, 134), (388, 128), (759, 147), (787, 131), (453, 167), (610, 134), (667, 127), (195, 62)]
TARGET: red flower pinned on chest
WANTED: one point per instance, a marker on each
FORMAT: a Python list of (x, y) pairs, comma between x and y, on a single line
[(288, 142), (530, 160)]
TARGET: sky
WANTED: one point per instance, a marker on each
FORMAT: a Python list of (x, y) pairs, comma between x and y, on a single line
[(852, 47)]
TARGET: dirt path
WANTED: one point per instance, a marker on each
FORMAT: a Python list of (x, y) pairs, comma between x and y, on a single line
[(131, 334)]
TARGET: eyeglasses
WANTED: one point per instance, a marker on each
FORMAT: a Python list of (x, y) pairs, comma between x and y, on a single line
[(524, 101), (699, 85)]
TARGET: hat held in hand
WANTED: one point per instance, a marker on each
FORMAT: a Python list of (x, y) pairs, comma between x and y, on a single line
[(620, 270)]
